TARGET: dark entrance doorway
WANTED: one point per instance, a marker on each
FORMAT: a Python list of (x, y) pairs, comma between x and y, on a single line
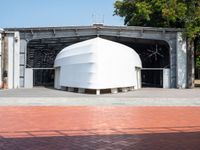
[(152, 77), (41, 54), (43, 77), (155, 57)]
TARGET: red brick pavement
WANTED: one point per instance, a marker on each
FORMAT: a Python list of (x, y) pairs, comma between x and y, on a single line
[(99, 128)]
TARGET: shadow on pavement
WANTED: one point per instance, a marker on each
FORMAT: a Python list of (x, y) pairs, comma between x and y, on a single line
[(64, 140)]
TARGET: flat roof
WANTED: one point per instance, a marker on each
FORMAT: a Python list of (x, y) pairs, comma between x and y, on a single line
[(99, 26)]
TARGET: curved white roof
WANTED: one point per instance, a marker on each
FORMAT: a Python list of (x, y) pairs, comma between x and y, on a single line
[(97, 64)]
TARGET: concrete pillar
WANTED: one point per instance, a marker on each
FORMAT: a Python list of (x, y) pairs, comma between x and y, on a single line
[(124, 89), (181, 63), (5, 61), (80, 90), (98, 92), (28, 78), (11, 60), (173, 61), (138, 78), (16, 60), (166, 78), (131, 88), (114, 91), (63, 88), (70, 89), (190, 64), (57, 78), (23, 50)]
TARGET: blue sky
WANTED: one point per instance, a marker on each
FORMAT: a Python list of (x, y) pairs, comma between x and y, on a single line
[(39, 13)]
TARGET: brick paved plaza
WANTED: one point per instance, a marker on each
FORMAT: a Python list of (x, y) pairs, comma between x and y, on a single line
[(99, 128)]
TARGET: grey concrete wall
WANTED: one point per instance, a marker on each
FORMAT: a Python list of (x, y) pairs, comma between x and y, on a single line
[(190, 64), (172, 48), (181, 59)]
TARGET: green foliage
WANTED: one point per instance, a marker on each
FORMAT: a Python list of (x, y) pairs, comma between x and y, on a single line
[(161, 13), (198, 62)]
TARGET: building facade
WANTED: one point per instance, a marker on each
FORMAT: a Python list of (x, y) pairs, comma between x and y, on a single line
[(27, 54)]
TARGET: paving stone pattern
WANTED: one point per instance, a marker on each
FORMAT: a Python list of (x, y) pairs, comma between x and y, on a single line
[(99, 128)]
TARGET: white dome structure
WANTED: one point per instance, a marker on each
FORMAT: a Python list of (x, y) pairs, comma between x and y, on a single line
[(97, 64)]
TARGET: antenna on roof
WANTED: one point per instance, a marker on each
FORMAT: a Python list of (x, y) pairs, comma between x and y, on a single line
[(93, 18), (103, 19), (97, 19)]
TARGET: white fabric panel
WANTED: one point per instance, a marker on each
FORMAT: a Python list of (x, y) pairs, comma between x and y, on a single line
[(98, 64)]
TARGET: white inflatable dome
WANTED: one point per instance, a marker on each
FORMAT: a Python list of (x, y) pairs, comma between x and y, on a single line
[(97, 64)]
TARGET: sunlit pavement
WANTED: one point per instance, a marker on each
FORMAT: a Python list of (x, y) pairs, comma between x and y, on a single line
[(99, 128), (143, 97)]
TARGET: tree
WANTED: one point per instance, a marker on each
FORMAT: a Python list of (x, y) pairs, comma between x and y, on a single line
[(161, 13), (164, 13)]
